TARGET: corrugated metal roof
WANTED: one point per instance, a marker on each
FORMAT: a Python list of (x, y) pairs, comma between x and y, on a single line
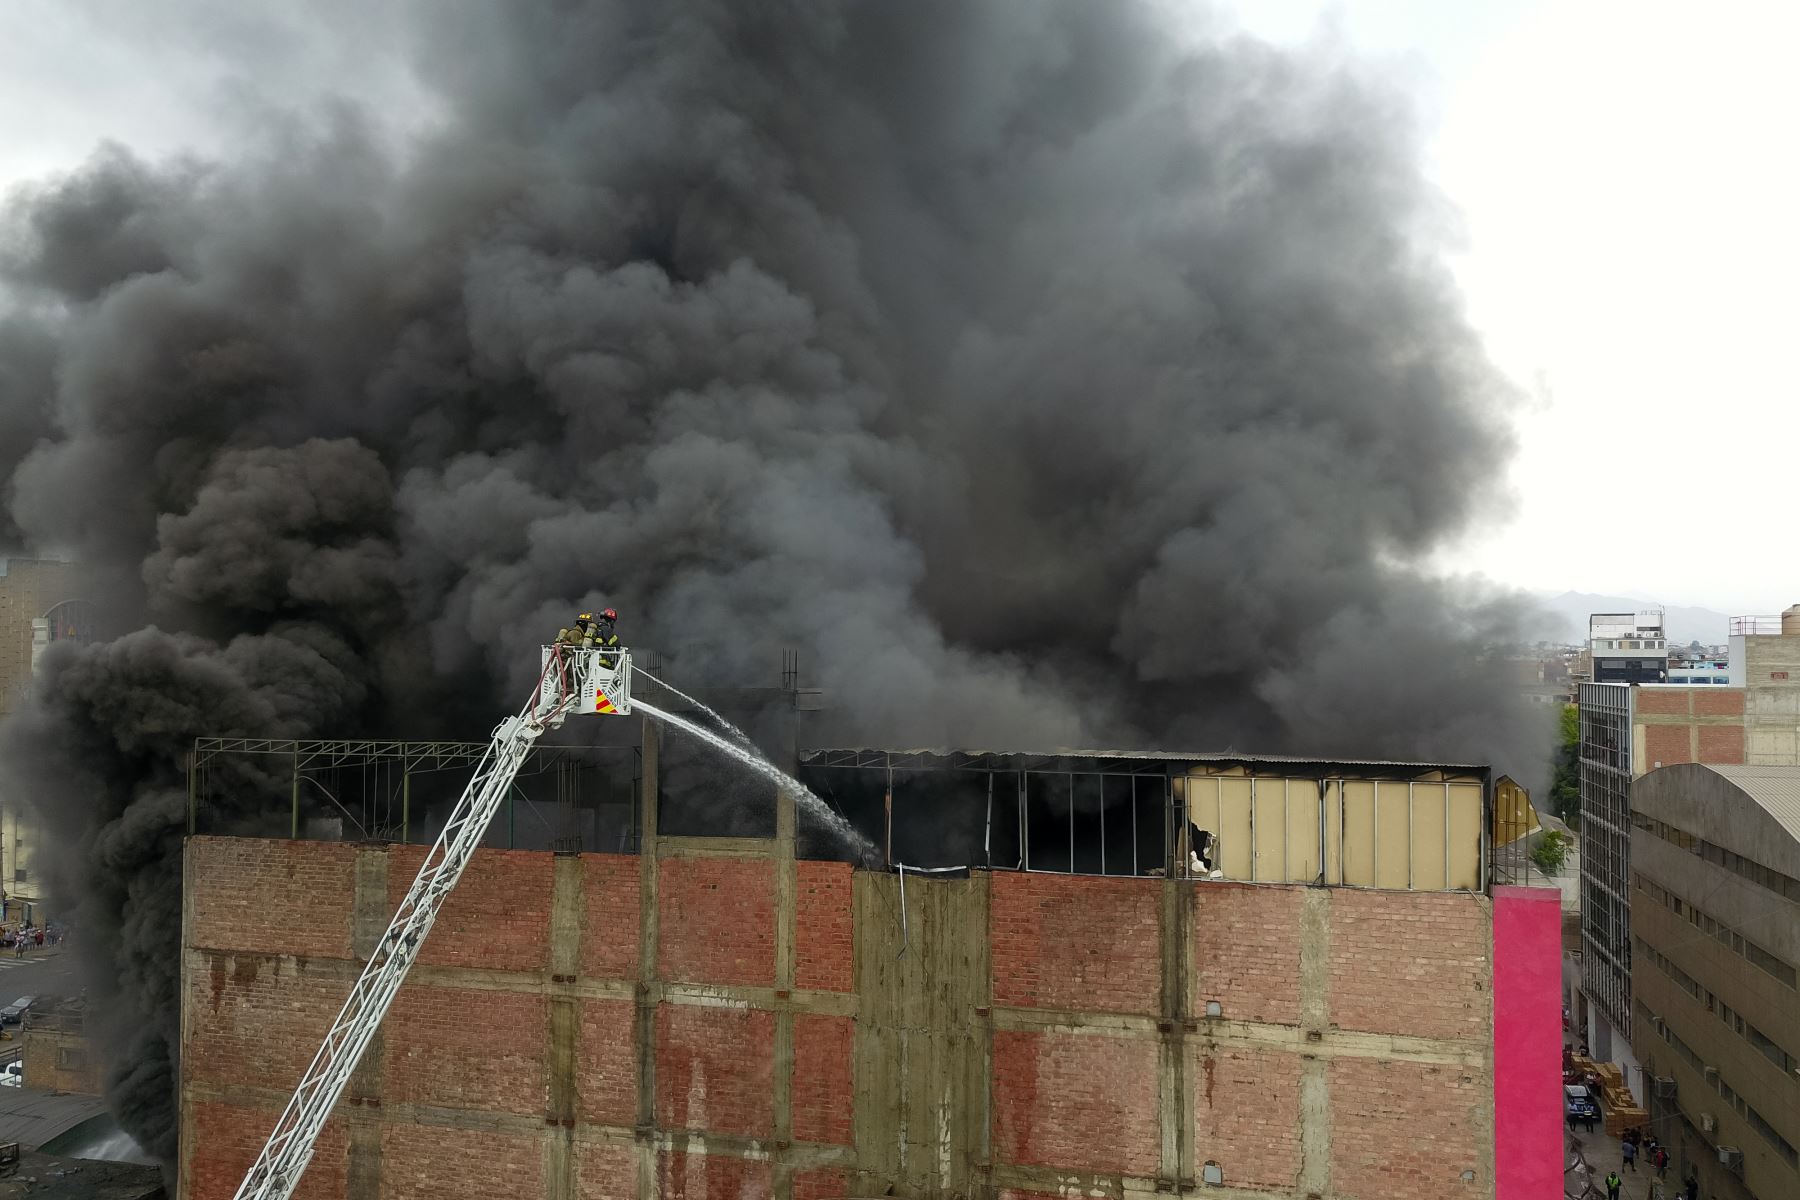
[(1775, 789), (1217, 756), (32, 1117)]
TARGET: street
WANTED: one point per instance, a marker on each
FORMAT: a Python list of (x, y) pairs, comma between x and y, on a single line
[(40, 973)]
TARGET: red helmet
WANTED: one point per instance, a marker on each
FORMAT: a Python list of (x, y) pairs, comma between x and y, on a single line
[(608, 614)]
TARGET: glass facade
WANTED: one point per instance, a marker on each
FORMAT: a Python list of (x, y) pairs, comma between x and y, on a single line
[(1605, 768)]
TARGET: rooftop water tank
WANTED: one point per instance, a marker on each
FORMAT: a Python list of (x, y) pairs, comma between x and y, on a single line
[(1790, 621)]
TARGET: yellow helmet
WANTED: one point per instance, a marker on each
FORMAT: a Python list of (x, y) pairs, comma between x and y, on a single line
[(583, 618)]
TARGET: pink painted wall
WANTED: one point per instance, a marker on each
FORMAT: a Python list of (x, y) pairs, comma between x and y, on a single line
[(1528, 1115)]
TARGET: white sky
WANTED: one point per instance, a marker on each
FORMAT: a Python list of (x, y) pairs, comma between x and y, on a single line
[(1625, 169)]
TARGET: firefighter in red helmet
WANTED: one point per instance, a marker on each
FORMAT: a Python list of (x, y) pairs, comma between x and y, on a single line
[(601, 635)]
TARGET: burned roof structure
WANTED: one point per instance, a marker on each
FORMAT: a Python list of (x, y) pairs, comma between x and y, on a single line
[(1265, 818)]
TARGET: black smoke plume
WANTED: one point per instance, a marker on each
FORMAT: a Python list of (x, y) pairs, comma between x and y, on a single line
[(1050, 375)]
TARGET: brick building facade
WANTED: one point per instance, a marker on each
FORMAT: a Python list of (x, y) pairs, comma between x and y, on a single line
[(717, 1019)]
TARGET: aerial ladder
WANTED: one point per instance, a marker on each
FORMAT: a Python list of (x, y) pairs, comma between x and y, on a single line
[(575, 681)]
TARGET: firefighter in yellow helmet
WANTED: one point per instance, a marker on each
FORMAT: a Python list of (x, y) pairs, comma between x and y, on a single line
[(576, 634)]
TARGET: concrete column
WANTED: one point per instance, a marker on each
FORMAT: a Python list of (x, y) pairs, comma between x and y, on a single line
[(1175, 1100), (786, 886), (566, 917), (369, 917), (1315, 1018), (645, 1024)]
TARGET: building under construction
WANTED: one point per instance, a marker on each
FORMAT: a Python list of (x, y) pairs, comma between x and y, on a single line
[(1035, 997)]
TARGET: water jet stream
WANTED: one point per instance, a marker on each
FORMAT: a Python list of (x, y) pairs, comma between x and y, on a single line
[(727, 726), (803, 795)]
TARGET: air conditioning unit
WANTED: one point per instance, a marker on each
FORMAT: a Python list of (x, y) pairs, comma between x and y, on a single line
[(1732, 1157), (1663, 1088), (1712, 1074), (1708, 1123)]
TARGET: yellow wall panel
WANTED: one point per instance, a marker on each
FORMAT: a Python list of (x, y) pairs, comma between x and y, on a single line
[(1465, 836), (1270, 826), (1359, 832), (1393, 836), (1233, 828), (1429, 814), (1302, 830)]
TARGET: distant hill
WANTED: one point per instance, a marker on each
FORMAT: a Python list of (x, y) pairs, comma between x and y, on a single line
[(1684, 625)]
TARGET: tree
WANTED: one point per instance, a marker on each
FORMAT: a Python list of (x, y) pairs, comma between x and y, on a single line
[(1551, 852), (1565, 785)]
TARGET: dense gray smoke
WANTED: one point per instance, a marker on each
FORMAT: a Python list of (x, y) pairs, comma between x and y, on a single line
[(1048, 376)]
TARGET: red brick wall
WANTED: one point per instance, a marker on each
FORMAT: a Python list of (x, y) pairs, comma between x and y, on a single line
[(256, 1020), (606, 1066), (1719, 702), (462, 1048), (467, 1036), (605, 1172), (1247, 952), (228, 1139), (1665, 702), (1721, 743), (717, 921), (1076, 1100), (715, 1069), (823, 1094), (1430, 950), (419, 1162), (1666, 744), (496, 918), (1403, 1129), (609, 935), (1091, 947), (248, 880), (826, 1184), (1247, 1115), (687, 1176), (824, 927)]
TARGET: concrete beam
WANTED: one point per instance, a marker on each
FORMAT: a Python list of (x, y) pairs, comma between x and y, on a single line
[(1251, 1035), (721, 847)]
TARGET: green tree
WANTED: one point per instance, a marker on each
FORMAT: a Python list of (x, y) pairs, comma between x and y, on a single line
[(1551, 852), (1565, 785)]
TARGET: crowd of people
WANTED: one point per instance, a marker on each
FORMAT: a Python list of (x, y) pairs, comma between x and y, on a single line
[(22, 938)]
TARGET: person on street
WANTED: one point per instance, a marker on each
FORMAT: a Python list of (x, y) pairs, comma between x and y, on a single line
[(1629, 1150), (1587, 1121), (1613, 1184)]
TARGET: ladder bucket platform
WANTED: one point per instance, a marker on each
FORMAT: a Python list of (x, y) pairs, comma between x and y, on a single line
[(584, 681)]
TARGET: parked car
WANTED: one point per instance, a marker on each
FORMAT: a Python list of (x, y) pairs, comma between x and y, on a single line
[(15, 1012), (1578, 1103), (13, 1074)]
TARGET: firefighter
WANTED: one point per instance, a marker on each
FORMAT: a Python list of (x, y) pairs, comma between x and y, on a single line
[(576, 634), (600, 635)]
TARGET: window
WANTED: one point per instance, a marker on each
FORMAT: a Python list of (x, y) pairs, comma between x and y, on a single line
[(1720, 932), (18, 874), (71, 1058)]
